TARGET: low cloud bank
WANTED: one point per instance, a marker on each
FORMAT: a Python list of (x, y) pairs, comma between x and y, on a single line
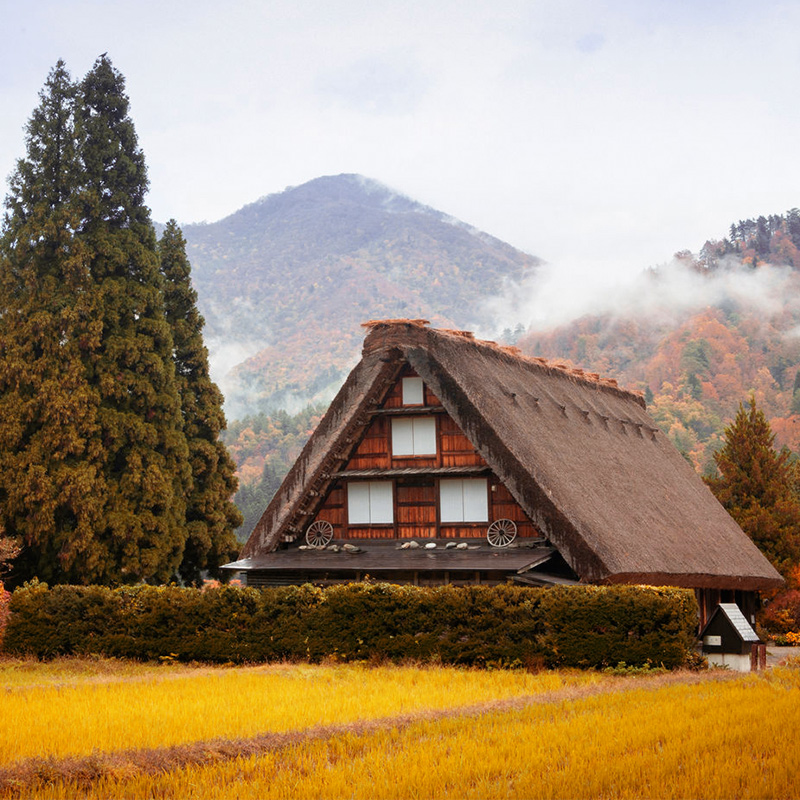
[(554, 296)]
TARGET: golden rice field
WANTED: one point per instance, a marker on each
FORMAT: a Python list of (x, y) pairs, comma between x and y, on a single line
[(394, 732), (92, 710)]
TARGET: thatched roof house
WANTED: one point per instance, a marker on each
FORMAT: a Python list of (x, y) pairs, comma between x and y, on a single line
[(574, 461)]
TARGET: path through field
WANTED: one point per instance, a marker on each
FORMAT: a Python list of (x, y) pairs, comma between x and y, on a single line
[(81, 773)]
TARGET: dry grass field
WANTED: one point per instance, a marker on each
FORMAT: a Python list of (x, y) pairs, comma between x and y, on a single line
[(86, 728)]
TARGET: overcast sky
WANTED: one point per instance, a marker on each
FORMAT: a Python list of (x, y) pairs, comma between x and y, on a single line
[(601, 136)]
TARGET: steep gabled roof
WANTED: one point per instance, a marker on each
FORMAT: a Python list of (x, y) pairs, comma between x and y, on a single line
[(578, 453), (736, 622)]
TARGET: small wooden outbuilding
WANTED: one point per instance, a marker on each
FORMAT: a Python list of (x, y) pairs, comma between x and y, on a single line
[(728, 640), (446, 459)]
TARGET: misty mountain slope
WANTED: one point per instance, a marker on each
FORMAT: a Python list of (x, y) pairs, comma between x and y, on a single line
[(284, 283), (700, 335)]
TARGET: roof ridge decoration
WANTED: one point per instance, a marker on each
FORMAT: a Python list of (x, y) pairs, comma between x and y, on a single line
[(393, 333)]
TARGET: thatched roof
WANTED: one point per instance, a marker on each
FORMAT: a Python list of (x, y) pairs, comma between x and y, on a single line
[(578, 453)]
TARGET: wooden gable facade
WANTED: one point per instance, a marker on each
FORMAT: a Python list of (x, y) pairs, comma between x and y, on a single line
[(415, 475)]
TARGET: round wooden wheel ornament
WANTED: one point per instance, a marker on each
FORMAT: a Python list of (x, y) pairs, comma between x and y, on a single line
[(501, 533), (319, 533)]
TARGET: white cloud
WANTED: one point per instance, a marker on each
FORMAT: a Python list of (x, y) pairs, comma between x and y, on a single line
[(556, 296)]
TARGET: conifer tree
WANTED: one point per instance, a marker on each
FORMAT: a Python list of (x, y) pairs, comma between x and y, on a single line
[(756, 485), (92, 453), (211, 516), (48, 466), (144, 455)]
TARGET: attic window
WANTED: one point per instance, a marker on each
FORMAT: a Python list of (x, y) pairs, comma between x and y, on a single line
[(464, 500), (413, 392), (370, 503), (414, 436)]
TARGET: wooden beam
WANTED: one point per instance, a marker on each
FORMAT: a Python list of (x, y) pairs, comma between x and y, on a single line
[(407, 411)]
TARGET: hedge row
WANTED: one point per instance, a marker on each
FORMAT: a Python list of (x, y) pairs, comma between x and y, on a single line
[(583, 626)]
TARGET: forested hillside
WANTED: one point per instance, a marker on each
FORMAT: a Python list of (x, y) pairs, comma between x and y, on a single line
[(286, 282), (264, 447), (697, 366)]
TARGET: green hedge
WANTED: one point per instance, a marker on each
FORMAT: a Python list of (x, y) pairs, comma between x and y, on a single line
[(584, 626)]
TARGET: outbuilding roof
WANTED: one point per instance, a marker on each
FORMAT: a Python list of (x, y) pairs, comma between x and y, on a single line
[(737, 621), (579, 454)]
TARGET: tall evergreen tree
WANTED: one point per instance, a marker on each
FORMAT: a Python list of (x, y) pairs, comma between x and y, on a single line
[(756, 485), (793, 225), (762, 238), (145, 457), (48, 420), (93, 457), (211, 516)]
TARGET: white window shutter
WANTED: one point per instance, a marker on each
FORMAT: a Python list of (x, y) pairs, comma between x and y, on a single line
[(476, 503), (380, 502), (358, 503), (424, 436), (413, 393), (451, 500), (403, 437), (370, 503), (463, 500)]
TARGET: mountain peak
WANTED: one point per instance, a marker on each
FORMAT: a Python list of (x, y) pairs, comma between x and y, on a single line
[(348, 189)]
